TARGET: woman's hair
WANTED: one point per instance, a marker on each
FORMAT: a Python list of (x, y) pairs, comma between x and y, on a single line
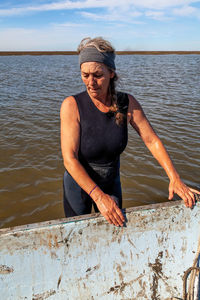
[(99, 43), (103, 45)]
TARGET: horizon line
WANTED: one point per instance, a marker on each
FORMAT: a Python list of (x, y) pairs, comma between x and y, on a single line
[(123, 52)]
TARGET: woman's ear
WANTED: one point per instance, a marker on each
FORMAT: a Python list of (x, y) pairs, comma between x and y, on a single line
[(112, 74)]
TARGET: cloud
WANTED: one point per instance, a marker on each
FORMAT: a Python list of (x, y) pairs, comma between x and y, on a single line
[(114, 15), (89, 4), (68, 25), (64, 5), (157, 15), (186, 11), (161, 4)]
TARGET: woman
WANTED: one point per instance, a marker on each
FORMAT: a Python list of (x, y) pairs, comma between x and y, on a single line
[(94, 134)]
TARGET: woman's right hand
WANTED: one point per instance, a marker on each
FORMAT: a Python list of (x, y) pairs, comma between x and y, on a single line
[(109, 209)]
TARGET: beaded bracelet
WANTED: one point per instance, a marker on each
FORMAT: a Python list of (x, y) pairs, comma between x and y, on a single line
[(92, 189)]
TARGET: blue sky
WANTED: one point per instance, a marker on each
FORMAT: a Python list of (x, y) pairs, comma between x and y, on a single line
[(128, 24)]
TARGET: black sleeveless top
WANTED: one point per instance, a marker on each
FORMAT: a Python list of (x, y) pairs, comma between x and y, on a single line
[(101, 139)]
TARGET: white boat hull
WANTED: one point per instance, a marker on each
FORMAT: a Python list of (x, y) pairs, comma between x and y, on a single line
[(86, 258)]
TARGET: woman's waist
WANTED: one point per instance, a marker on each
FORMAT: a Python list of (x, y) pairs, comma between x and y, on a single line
[(102, 172)]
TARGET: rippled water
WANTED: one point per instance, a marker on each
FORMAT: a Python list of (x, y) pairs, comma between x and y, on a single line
[(32, 89)]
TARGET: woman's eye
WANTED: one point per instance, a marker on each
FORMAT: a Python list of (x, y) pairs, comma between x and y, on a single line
[(98, 75)]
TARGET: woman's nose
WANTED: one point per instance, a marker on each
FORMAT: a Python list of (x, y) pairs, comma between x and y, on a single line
[(91, 79)]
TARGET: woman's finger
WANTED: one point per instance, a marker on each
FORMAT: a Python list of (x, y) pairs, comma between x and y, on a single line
[(188, 198), (118, 219), (171, 194), (191, 201), (189, 194), (120, 215), (115, 217), (194, 191), (114, 220), (192, 196)]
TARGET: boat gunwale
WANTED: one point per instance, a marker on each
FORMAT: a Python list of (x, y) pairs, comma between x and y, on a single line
[(63, 221)]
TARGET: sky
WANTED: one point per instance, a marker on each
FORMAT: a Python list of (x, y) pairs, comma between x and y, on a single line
[(58, 25)]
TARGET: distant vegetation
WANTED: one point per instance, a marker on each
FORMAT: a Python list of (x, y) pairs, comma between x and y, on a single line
[(8, 53)]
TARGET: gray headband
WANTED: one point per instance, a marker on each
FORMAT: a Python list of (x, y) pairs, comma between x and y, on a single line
[(92, 54)]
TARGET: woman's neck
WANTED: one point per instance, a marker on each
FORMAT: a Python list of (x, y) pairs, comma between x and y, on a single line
[(102, 103)]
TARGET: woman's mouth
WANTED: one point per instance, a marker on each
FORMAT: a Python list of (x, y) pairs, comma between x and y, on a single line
[(93, 89)]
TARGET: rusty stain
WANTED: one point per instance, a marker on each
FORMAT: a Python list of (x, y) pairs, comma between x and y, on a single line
[(91, 270), (118, 234), (119, 239), (166, 253), (131, 255), (44, 295), (67, 239), (184, 247), (88, 270), (54, 255), (122, 253), (59, 281), (160, 239), (17, 234), (113, 289), (119, 270), (119, 288), (6, 270), (56, 245), (49, 240), (52, 241), (101, 222), (157, 268), (142, 290), (157, 273), (173, 298), (129, 240), (131, 248), (46, 239), (142, 284)]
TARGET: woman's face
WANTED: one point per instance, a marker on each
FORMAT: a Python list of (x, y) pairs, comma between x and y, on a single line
[(96, 77)]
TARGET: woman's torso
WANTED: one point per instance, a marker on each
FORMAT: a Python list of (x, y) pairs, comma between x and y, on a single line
[(101, 139)]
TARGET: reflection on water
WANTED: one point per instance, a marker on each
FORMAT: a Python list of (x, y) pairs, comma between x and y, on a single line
[(32, 89)]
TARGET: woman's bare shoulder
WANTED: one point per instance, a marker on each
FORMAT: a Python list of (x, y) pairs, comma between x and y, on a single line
[(68, 103), (134, 109), (69, 107), (133, 102)]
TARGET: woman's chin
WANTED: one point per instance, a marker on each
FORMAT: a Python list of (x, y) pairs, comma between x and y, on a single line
[(94, 92)]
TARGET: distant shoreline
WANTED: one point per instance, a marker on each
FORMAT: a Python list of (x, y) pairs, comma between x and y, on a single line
[(16, 53)]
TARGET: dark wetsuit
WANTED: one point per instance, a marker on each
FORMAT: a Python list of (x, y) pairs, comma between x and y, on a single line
[(101, 143)]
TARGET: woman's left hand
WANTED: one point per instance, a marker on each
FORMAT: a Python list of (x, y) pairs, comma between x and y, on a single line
[(183, 191)]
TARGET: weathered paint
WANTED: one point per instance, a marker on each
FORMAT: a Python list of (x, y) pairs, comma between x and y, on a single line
[(86, 258)]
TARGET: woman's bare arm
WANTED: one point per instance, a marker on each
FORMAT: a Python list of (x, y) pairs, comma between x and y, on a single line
[(140, 123), (70, 131), (70, 140)]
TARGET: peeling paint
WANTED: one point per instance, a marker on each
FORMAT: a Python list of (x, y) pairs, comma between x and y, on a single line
[(44, 295), (5, 269), (59, 281), (86, 258), (157, 273)]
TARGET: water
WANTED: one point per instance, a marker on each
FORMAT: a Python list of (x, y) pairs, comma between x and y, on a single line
[(32, 89)]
